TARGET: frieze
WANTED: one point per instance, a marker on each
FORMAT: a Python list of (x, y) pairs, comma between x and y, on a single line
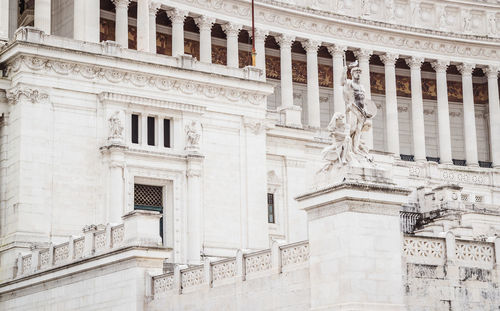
[(464, 177), (94, 72), (32, 94)]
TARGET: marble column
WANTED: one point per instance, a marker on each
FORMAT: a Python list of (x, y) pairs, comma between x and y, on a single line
[(232, 31), (43, 14), (177, 17), (143, 25), (363, 57), (121, 25), (288, 111), (194, 208), (313, 108), (86, 20), (494, 114), (338, 54), (417, 109), (153, 10), (445, 155), (260, 49), (391, 103), (469, 114), (205, 24)]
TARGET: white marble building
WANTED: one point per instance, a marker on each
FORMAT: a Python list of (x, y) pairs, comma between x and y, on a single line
[(146, 165)]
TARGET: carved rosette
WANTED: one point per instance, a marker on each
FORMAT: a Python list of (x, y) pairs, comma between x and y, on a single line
[(31, 94), (440, 65)]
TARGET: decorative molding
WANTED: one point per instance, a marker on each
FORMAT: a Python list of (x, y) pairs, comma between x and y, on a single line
[(491, 71), (389, 59), (137, 79), (337, 50), (204, 22), (311, 46), (32, 94), (231, 29), (154, 7), (177, 15), (363, 54), (255, 126), (466, 68), (414, 62), (285, 41), (402, 109), (121, 3), (455, 114), (428, 112)]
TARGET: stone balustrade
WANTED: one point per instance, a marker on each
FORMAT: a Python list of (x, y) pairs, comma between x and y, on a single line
[(96, 240), (242, 267)]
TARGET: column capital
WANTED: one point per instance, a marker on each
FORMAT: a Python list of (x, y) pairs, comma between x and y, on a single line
[(389, 59), (121, 3), (204, 22), (466, 68), (440, 65), (311, 46), (491, 71), (285, 41), (414, 62), (153, 7), (337, 50), (260, 34), (363, 54), (177, 16), (231, 29)]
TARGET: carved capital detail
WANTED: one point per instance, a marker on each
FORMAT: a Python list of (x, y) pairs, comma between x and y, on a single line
[(154, 7), (285, 41), (177, 16), (337, 50), (204, 22), (31, 94), (363, 54), (466, 69), (415, 62), (389, 59), (311, 46), (121, 3), (193, 173), (492, 71), (231, 29), (440, 65), (260, 34)]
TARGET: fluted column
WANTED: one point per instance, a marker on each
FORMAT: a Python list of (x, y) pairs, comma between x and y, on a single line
[(469, 114), (494, 112), (290, 112), (260, 49), (391, 103), (86, 20), (177, 17), (205, 24), (121, 27), (445, 155), (232, 31), (363, 57), (338, 54), (43, 15), (153, 10), (143, 25), (417, 108), (313, 108)]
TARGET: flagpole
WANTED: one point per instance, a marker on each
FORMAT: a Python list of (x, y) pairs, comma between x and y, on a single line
[(254, 53)]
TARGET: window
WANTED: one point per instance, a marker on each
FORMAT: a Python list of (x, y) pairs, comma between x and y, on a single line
[(151, 131), (166, 133), (149, 198), (135, 129), (270, 208)]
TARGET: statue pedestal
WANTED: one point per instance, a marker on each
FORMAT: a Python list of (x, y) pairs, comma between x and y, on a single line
[(291, 116), (355, 242)]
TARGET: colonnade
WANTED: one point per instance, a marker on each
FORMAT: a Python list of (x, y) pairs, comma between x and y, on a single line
[(86, 27)]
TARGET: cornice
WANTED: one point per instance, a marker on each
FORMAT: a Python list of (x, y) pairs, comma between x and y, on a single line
[(334, 28), (137, 79)]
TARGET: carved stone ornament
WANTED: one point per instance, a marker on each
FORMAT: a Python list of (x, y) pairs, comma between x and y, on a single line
[(193, 135), (115, 127), (31, 94), (256, 127)]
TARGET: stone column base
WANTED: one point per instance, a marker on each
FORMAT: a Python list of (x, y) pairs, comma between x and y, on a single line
[(291, 116)]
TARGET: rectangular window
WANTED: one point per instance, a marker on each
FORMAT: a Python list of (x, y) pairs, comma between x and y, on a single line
[(151, 131), (148, 197), (135, 129), (166, 133), (270, 208)]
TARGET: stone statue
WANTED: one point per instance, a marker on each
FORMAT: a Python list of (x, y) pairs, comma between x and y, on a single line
[(346, 129), (467, 22), (193, 134), (115, 127), (365, 7), (389, 5), (492, 28)]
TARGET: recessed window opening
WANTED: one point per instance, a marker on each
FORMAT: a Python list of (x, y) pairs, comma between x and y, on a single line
[(270, 208), (166, 133), (135, 129), (151, 131)]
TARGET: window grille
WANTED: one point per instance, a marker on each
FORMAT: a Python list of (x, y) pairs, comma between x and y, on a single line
[(270, 208), (485, 164), (479, 199), (433, 159), (407, 157), (148, 197), (459, 162), (464, 197)]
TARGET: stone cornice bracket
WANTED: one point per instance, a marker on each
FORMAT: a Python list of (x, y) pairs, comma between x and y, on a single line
[(285, 41), (466, 68), (440, 65), (415, 62), (363, 54), (231, 29), (154, 7), (389, 59), (177, 16), (491, 71), (204, 22), (34, 95), (337, 50), (311, 46), (121, 3)]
